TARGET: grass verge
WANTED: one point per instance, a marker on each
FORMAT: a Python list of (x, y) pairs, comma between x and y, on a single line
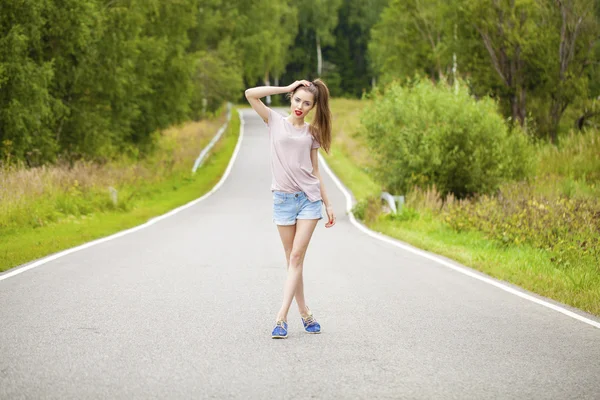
[(20, 244), (523, 265)]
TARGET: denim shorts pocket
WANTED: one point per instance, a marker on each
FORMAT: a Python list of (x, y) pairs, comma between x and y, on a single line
[(278, 198)]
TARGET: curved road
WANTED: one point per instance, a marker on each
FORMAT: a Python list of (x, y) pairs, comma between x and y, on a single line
[(184, 307)]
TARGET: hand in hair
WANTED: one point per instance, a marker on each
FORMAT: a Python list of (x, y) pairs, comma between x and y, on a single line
[(295, 85)]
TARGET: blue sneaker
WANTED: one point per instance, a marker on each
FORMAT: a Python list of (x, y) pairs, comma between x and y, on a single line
[(310, 325), (280, 330)]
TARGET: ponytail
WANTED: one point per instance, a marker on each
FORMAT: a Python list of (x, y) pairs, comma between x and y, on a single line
[(320, 127), (321, 124)]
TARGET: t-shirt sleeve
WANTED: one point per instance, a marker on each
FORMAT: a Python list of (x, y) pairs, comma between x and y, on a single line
[(272, 115), (315, 144)]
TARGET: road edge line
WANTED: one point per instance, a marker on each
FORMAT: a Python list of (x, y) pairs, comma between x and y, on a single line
[(463, 270), (152, 221)]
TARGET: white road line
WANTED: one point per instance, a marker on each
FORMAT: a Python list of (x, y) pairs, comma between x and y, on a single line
[(445, 263), (139, 227), (352, 220)]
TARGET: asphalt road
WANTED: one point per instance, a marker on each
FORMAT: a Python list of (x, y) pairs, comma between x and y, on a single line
[(184, 308)]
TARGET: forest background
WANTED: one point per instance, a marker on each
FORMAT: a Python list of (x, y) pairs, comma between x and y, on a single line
[(495, 102), (95, 78)]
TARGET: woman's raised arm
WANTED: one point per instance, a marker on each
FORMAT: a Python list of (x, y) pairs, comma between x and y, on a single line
[(255, 94)]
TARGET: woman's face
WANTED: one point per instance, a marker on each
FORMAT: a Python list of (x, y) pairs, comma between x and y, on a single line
[(302, 103)]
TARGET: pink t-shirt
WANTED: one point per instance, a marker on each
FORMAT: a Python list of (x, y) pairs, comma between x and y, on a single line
[(291, 167)]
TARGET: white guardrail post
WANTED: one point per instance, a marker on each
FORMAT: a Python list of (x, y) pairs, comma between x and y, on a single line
[(391, 201), (214, 140)]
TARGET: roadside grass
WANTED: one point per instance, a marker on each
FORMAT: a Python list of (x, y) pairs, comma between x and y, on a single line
[(349, 158), (571, 169), (67, 214), (423, 225), (525, 266)]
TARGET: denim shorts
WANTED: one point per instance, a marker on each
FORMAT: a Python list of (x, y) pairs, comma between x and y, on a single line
[(288, 207)]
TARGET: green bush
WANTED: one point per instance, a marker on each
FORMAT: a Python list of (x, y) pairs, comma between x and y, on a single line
[(425, 134), (567, 228), (367, 209), (406, 214)]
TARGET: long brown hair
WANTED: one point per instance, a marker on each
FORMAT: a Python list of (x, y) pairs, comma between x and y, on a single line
[(320, 126)]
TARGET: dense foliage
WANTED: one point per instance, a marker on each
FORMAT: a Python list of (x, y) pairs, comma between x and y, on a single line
[(88, 77), (569, 228), (426, 134), (94, 78), (537, 57)]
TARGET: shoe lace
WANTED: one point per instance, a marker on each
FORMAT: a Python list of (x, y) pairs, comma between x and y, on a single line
[(280, 323), (309, 320)]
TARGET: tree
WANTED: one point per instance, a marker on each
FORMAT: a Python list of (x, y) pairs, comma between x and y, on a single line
[(89, 78), (508, 31), (414, 36), (264, 45), (579, 33), (218, 67), (27, 108), (349, 55), (319, 18)]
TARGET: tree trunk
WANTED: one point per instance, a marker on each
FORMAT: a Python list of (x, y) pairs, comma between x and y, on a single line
[(580, 122), (522, 105), (514, 108), (510, 68), (554, 121), (569, 31), (557, 109), (455, 65), (268, 83), (518, 105), (319, 57)]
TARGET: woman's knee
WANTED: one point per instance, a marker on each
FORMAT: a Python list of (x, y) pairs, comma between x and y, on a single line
[(296, 258)]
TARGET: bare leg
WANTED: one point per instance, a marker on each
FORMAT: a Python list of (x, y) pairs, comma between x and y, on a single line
[(304, 231), (287, 234)]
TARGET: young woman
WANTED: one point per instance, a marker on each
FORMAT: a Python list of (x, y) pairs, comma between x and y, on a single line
[(298, 190)]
